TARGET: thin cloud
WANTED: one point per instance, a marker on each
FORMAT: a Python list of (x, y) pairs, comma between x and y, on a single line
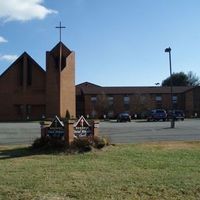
[(9, 58), (23, 10), (3, 40)]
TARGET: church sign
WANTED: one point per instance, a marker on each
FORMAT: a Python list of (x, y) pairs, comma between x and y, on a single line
[(56, 129), (82, 128)]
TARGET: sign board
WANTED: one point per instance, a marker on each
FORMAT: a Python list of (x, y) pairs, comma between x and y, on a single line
[(56, 129), (82, 128)]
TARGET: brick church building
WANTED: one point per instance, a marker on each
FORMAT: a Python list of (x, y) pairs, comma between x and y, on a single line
[(29, 92)]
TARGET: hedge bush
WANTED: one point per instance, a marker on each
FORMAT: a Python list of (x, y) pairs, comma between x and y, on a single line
[(84, 144)]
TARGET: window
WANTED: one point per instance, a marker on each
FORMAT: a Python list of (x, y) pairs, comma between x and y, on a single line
[(142, 99), (94, 105), (126, 100), (110, 101), (158, 98), (126, 103), (175, 102), (29, 73), (158, 101), (94, 99), (21, 75), (175, 99), (28, 109)]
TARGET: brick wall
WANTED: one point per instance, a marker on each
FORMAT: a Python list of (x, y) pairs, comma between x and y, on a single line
[(22, 88)]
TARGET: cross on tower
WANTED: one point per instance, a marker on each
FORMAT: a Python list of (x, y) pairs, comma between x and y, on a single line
[(60, 27)]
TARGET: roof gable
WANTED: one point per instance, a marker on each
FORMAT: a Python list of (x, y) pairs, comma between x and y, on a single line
[(20, 60), (56, 50), (86, 85)]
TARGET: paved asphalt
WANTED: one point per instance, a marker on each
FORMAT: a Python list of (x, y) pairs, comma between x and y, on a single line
[(130, 132), (18, 133), (142, 131)]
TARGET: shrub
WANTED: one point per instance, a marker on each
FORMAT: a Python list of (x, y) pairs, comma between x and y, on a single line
[(100, 142), (84, 144), (81, 144), (87, 143), (48, 143)]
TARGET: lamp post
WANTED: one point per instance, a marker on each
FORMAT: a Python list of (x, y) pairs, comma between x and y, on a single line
[(168, 50)]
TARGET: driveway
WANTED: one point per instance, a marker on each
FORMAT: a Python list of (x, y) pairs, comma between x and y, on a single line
[(129, 132)]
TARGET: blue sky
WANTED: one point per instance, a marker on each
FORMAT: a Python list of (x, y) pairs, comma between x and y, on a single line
[(117, 42)]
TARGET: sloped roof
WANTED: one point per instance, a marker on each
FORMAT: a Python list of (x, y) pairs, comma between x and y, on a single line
[(86, 86), (19, 60), (56, 50), (92, 89)]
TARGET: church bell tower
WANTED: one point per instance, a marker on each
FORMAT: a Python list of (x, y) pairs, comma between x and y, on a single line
[(60, 81)]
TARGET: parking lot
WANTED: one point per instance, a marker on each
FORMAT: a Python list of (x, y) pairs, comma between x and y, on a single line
[(142, 131), (130, 132)]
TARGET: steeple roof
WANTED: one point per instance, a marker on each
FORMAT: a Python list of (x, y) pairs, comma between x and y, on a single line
[(56, 50), (60, 50)]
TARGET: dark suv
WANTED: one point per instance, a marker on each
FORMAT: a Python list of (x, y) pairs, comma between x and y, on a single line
[(176, 114), (157, 115), (123, 117)]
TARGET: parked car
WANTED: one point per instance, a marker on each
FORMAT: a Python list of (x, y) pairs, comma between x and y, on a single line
[(157, 115), (176, 114), (123, 117)]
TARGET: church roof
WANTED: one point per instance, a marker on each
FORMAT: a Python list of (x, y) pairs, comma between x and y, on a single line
[(20, 59), (56, 50), (92, 89)]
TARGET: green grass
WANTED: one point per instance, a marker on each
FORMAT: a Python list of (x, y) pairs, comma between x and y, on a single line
[(145, 171)]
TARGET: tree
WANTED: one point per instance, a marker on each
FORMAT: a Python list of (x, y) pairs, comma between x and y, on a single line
[(178, 79), (182, 79), (193, 79)]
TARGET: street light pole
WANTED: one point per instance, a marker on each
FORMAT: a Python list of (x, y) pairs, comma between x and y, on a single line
[(168, 50)]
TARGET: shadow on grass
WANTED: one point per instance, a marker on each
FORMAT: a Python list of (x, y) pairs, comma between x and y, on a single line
[(25, 152)]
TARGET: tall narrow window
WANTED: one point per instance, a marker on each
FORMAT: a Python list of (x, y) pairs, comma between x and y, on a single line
[(110, 100), (126, 103), (21, 75), (126, 100), (29, 72), (28, 109), (20, 71), (175, 99), (158, 101), (94, 106), (175, 102)]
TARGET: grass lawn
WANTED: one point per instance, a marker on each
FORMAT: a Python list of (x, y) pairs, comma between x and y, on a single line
[(142, 171)]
